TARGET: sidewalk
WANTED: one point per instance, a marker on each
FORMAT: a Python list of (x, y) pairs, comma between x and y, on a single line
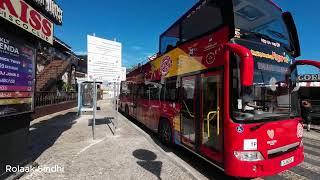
[(64, 140), (313, 133)]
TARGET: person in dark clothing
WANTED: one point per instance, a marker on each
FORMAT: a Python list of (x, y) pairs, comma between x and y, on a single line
[(306, 110)]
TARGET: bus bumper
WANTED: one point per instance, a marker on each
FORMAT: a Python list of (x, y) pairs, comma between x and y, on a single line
[(267, 167)]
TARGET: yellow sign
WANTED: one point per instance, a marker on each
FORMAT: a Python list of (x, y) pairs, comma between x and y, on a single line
[(15, 101), (181, 63), (274, 56)]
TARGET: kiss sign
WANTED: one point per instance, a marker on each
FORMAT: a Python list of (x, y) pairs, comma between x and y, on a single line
[(23, 15)]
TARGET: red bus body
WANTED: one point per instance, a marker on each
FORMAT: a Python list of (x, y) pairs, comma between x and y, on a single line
[(196, 66)]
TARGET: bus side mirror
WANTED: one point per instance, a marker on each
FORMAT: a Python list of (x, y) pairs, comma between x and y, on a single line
[(303, 62), (294, 39), (246, 63)]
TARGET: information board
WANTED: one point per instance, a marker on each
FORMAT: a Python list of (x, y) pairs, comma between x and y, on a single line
[(104, 59), (17, 72)]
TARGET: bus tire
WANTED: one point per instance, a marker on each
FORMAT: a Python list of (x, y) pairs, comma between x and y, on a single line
[(165, 132)]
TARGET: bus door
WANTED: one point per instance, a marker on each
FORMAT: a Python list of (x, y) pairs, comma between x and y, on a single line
[(211, 119), (188, 111)]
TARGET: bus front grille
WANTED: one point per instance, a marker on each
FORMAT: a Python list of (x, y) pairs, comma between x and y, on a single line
[(282, 150)]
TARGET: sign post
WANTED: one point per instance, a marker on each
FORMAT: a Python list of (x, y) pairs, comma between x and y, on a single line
[(94, 107)]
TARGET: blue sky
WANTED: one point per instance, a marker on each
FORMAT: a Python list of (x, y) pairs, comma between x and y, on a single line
[(137, 24)]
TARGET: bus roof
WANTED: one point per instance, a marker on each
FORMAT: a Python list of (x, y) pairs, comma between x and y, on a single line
[(196, 6), (184, 15)]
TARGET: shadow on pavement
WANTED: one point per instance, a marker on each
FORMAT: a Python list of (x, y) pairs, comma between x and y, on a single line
[(201, 165), (101, 121), (147, 160), (43, 135), (104, 121)]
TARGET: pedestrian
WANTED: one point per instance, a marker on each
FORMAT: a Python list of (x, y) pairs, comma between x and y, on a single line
[(306, 110)]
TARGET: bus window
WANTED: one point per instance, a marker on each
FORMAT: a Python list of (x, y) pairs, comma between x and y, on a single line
[(141, 92), (202, 20), (134, 91), (154, 92), (170, 39), (169, 91), (146, 94)]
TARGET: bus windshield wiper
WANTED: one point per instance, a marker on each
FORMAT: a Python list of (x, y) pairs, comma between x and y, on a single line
[(271, 118)]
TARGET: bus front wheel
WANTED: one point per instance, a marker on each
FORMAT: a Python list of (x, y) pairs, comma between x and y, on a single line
[(165, 132)]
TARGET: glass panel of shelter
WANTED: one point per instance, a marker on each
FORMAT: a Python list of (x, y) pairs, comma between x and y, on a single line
[(87, 95)]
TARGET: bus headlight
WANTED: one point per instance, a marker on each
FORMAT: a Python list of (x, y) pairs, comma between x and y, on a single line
[(248, 155)]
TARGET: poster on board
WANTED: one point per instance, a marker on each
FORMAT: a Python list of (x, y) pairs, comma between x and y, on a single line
[(104, 59), (17, 74)]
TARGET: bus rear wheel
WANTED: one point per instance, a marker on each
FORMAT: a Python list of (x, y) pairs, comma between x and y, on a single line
[(165, 132)]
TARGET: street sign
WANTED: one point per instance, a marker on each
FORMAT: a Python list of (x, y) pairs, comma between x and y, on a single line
[(104, 59)]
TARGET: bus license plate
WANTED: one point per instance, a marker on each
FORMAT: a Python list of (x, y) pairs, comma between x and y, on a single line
[(287, 161)]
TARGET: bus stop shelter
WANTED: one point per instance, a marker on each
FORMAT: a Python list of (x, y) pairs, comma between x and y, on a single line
[(87, 95), (88, 98)]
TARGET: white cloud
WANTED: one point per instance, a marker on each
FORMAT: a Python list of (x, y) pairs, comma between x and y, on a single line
[(81, 52), (136, 48)]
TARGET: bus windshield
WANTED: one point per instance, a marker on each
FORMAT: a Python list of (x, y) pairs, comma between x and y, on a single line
[(261, 17), (270, 97)]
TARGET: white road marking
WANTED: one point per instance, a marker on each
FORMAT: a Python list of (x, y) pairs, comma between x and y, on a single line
[(291, 175), (310, 167), (312, 149), (310, 156), (90, 145)]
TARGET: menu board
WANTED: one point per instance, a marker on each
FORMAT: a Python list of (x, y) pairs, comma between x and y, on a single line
[(17, 72)]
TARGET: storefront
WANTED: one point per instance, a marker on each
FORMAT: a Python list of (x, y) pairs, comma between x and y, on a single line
[(309, 89), (22, 28)]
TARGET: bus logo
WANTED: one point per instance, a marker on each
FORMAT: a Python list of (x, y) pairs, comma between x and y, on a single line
[(240, 129), (165, 65), (210, 58), (270, 133)]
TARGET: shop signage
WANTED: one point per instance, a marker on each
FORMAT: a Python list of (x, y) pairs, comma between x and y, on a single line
[(50, 9), (309, 77), (17, 72), (23, 15)]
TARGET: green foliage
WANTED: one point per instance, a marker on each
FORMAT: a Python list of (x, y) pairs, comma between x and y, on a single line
[(60, 84), (68, 87)]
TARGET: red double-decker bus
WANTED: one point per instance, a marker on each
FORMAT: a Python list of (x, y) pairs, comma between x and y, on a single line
[(223, 86)]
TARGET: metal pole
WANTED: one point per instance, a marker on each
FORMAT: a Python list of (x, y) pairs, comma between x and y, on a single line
[(117, 101), (79, 99), (114, 95), (94, 107)]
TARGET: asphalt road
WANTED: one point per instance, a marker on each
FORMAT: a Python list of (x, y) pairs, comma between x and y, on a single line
[(310, 168)]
